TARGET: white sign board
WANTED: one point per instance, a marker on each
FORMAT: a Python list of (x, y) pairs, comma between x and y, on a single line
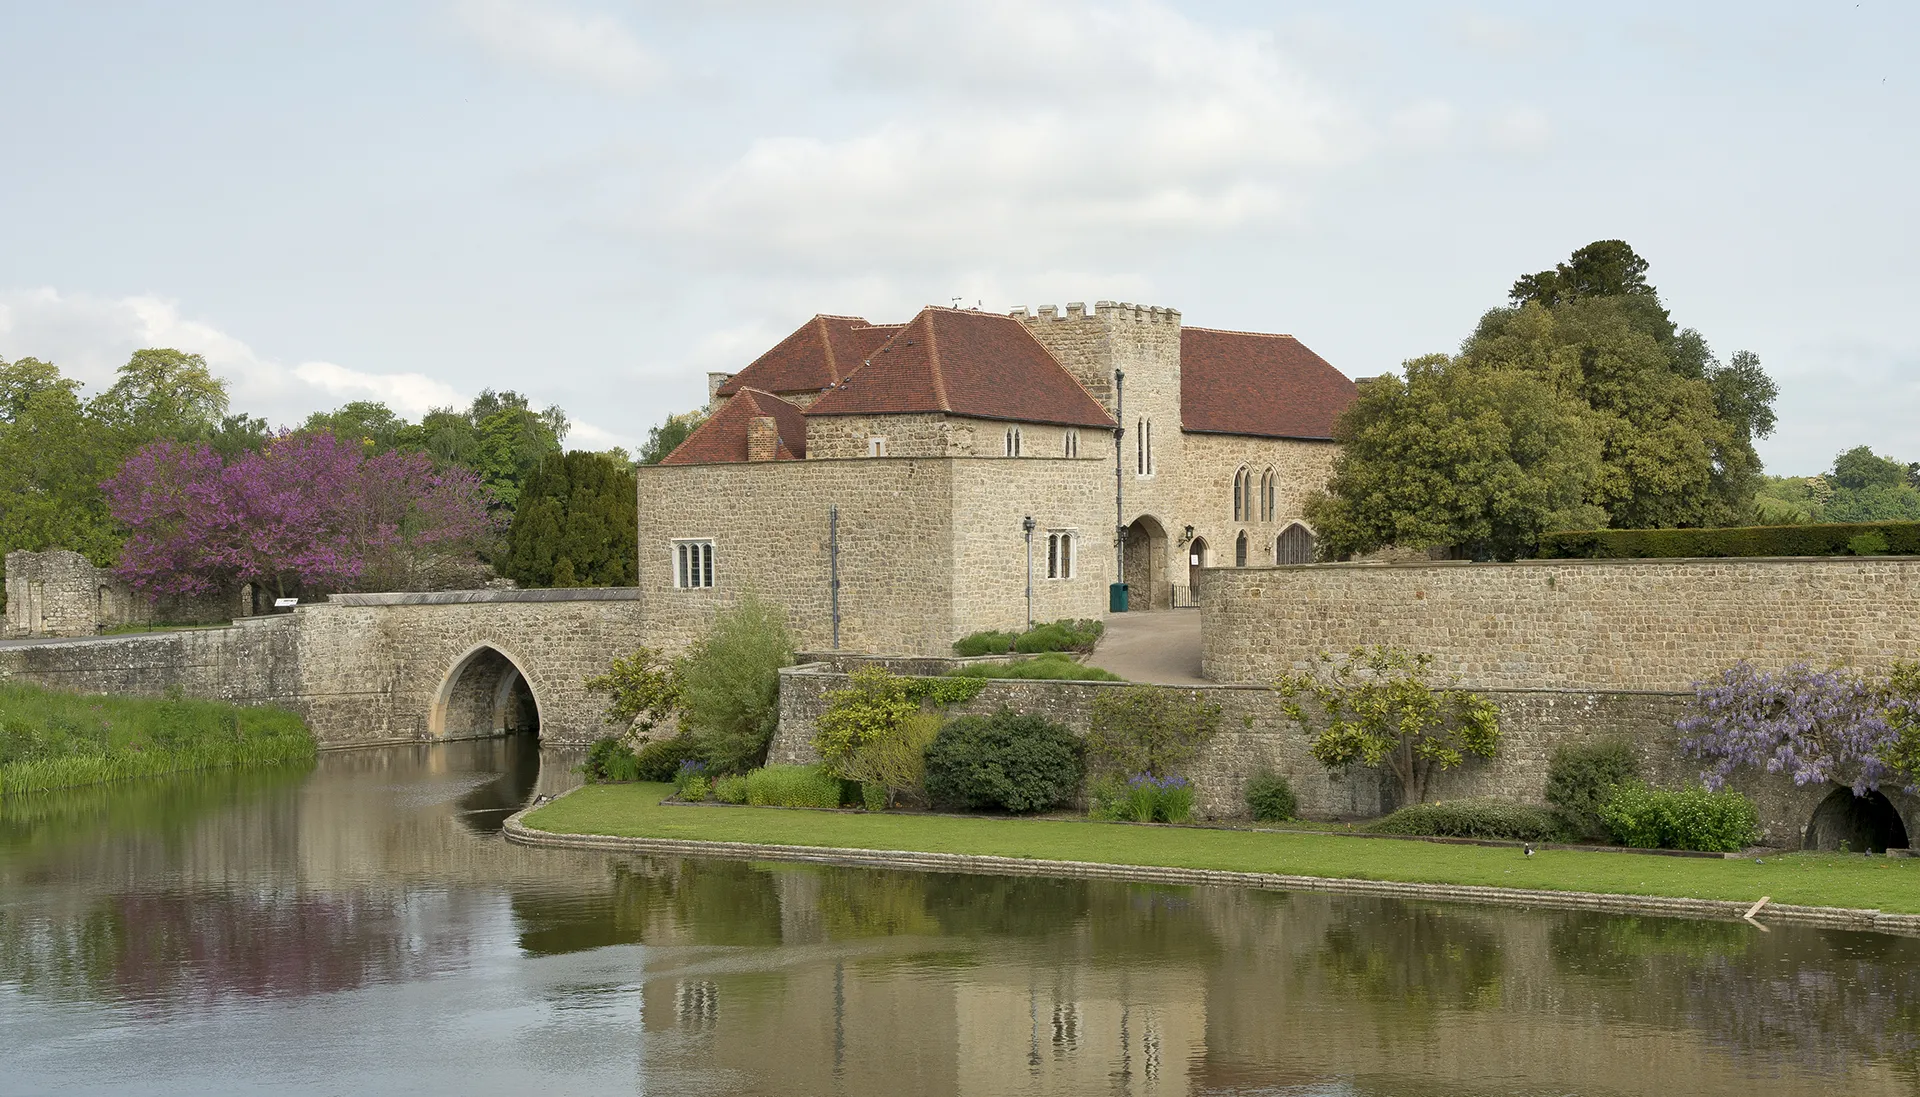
[(285, 603)]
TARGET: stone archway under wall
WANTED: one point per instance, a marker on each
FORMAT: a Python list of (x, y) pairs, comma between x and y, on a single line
[(1146, 565), (484, 694), (1859, 824)]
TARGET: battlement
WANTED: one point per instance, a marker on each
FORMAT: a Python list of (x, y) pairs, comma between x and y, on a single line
[(1102, 310)]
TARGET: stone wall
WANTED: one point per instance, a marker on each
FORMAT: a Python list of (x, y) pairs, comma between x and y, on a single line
[(1574, 624), (1190, 482), (930, 549), (371, 668), (1256, 736), (835, 437), (61, 593)]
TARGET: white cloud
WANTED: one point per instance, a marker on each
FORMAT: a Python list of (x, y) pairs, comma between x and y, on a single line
[(1029, 132), (595, 50), (90, 337), (410, 394), (1520, 128)]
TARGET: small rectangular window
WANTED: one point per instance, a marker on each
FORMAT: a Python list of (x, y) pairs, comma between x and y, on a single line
[(692, 564), (877, 446)]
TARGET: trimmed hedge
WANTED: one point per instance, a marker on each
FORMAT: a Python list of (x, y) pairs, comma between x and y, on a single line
[(1830, 539), (1476, 818)]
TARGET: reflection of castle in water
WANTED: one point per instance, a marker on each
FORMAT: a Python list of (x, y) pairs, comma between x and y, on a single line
[(383, 867)]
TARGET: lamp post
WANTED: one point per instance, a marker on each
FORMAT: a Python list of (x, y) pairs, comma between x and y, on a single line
[(1026, 526)]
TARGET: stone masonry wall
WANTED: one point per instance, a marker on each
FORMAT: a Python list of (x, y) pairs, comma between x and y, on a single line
[(1191, 480), (846, 436), (372, 667), (990, 500), (1256, 736), (1573, 624), (61, 593), (769, 526)]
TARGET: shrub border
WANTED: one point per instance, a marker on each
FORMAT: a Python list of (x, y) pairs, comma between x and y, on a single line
[(516, 830)]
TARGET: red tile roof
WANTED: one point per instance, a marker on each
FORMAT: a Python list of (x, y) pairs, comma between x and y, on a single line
[(1270, 386), (723, 437), (819, 354), (968, 363)]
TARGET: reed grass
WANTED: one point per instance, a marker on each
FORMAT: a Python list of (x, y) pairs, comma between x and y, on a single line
[(51, 739)]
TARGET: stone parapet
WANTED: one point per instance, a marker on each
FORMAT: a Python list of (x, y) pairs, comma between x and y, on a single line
[(1567, 624)]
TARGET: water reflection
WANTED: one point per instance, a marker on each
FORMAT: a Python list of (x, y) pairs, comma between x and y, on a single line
[(362, 927)]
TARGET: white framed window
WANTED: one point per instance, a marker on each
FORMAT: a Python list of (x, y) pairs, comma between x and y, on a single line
[(1071, 447), (1060, 553), (877, 446), (692, 564)]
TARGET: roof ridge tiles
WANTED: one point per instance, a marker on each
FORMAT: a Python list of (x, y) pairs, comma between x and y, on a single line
[(1237, 331)]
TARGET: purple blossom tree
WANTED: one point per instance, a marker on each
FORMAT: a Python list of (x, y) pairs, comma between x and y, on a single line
[(308, 513), (1812, 725)]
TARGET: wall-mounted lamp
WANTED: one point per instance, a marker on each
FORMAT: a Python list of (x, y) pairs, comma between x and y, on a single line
[(1186, 535)]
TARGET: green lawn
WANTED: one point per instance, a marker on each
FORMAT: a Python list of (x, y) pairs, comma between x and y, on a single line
[(1812, 879)]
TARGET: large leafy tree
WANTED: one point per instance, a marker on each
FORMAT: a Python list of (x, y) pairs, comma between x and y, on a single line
[(306, 514), (163, 393), (1486, 459), (666, 437), (1654, 429), (575, 525)]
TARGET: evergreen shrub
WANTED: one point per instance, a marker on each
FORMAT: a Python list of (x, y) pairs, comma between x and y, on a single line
[(731, 789), (1473, 818), (1826, 539), (1650, 818), (1581, 778), (1270, 798), (660, 760), (792, 787), (989, 642), (1009, 761), (610, 759)]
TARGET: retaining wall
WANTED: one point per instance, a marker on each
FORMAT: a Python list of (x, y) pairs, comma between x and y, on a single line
[(1257, 736), (1567, 624)]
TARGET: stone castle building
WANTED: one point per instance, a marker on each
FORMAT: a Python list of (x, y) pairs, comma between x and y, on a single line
[(898, 486)]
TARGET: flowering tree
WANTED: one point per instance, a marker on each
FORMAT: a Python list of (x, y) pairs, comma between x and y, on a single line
[(308, 512), (1812, 725)]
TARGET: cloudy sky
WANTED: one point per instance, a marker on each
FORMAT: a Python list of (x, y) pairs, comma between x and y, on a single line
[(596, 202)]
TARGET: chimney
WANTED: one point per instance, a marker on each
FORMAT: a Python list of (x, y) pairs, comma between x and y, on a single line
[(714, 381), (763, 438)]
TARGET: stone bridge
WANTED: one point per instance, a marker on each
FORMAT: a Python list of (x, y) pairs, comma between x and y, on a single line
[(373, 668)]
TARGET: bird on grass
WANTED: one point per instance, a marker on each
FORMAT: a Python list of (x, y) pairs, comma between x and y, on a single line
[(1529, 846)]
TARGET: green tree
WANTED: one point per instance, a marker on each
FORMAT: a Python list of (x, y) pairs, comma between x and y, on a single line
[(162, 393), (643, 690), (730, 684), (1455, 455), (665, 438), (369, 422), (577, 508), (53, 456), (1604, 268), (499, 436), (1860, 467), (1380, 707)]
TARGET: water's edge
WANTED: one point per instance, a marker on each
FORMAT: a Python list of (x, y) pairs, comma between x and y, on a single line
[(1905, 925)]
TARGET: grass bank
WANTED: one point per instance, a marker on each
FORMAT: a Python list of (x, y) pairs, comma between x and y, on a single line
[(50, 739), (1811, 879)]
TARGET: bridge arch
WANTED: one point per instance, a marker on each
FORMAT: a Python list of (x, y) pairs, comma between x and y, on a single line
[(485, 693), (1860, 824)]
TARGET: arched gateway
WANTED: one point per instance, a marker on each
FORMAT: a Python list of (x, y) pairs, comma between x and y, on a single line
[(1146, 564), (484, 694)]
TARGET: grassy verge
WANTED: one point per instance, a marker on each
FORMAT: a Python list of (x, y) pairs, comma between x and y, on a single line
[(51, 740), (1813, 879)]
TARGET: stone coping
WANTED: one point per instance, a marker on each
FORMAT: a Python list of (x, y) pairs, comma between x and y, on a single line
[(1577, 561), (465, 597), (515, 830)]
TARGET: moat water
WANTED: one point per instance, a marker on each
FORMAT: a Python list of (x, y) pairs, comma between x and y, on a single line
[(361, 928)]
